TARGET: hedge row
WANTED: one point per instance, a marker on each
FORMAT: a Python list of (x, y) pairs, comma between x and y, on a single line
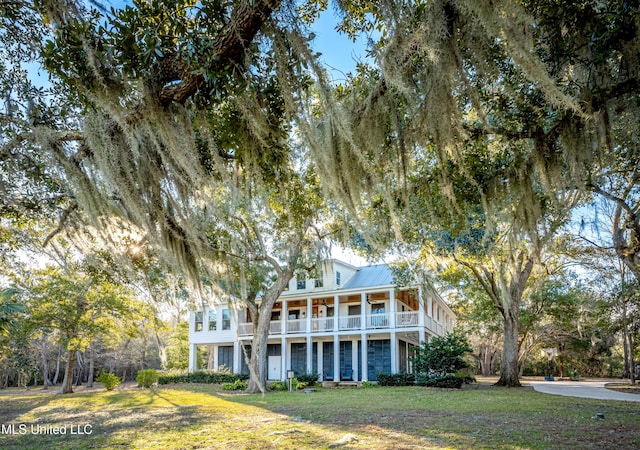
[(200, 377), (396, 379), (423, 379)]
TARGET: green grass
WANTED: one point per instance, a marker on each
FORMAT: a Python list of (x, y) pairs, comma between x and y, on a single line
[(204, 416)]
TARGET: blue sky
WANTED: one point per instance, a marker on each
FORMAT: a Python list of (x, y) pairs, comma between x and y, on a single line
[(339, 53)]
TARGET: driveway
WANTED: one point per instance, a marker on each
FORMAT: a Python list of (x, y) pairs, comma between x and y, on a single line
[(585, 389)]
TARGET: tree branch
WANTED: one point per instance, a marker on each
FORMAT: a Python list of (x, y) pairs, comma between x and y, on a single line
[(63, 220), (246, 20)]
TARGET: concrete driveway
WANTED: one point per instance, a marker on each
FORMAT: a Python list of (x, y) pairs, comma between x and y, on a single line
[(585, 389)]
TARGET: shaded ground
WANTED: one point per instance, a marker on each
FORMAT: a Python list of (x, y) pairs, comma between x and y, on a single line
[(202, 416)]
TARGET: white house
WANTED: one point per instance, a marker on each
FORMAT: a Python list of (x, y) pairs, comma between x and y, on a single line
[(349, 323)]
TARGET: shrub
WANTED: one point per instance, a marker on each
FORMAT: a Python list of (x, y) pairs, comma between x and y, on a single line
[(395, 379), (278, 386), (109, 380), (467, 378), (237, 385), (146, 378), (308, 378), (442, 355), (199, 377), (441, 381)]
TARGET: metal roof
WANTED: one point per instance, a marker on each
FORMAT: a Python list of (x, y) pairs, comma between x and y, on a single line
[(370, 276)]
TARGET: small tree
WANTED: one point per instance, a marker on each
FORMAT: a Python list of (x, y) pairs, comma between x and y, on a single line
[(442, 355)]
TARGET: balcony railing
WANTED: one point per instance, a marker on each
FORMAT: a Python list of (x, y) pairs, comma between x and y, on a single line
[(349, 323), (275, 327), (404, 319), (407, 319), (378, 321), (245, 329), (297, 326), (322, 324)]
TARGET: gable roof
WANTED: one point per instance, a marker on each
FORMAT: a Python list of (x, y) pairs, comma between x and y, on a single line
[(370, 276)]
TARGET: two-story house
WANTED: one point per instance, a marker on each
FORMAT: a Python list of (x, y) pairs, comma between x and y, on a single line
[(349, 323)]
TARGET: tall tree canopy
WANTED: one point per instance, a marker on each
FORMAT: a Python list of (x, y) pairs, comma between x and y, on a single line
[(504, 107), (494, 114)]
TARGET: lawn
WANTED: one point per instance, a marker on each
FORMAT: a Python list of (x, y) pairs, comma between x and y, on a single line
[(203, 416)]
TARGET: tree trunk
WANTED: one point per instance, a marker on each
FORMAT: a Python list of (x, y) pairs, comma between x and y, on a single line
[(509, 375), (45, 364), (162, 349), (261, 323), (81, 366), (67, 382), (258, 361), (57, 374), (91, 366), (486, 363), (633, 362)]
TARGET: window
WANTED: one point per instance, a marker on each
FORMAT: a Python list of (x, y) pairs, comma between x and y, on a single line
[(226, 319), (337, 278), (199, 320), (302, 284), (225, 357), (377, 308), (319, 282), (212, 320)]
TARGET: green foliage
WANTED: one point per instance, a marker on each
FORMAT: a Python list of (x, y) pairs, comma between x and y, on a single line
[(109, 380), (146, 378), (178, 348), (79, 306), (441, 381), (170, 377), (238, 385), (9, 310), (395, 379), (441, 355), (278, 386), (308, 378)]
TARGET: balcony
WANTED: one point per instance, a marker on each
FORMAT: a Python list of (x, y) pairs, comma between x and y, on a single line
[(404, 319), (407, 319)]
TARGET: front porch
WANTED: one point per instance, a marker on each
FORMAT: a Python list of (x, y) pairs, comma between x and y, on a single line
[(340, 358)]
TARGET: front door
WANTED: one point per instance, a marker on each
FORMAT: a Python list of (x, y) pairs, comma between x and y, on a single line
[(274, 366)]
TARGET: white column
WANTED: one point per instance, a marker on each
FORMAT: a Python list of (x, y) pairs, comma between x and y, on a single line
[(394, 353), (237, 354), (309, 354), (354, 360), (284, 356), (309, 314), (421, 310), (320, 360), (284, 315), (193, 360), (392, 308), (336, 357), (363, 311), (336, 312), (215, 358), (364, 356)]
